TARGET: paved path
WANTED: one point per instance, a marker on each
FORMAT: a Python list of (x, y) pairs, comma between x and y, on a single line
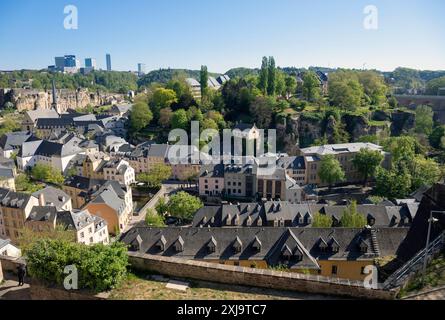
[(10, 290)]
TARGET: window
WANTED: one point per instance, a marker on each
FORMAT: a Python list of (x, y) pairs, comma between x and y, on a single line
[(334, 270), (82, 235), (91, 240), (228, 183)]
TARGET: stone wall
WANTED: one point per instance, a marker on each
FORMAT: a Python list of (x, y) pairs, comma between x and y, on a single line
[(41, 291), (205, 271), (28, 99)]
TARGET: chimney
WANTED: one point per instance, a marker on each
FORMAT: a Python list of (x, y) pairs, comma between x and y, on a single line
[(41, 199)]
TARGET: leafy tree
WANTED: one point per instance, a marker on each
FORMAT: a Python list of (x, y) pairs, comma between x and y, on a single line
[(162, 98), (271, 77), (9, 124), (209, 124), (165, 117), (217, 117), (331, 171), (184, 205), (424, 172), (424, 120), (204, 78), (280, 80), (99, 267), (345, 90), (433, 86), (153, 219), (180, 120), (161, 206), (437, 137), (291, 85), (195, 114), (374, 86), (351, 218), (140, 117), (157, 174), (393, 184), (46, 173), (401, 148), (321, 221), (24, 184), (311, 86), (261, 110), (366, 162), (264, 75)]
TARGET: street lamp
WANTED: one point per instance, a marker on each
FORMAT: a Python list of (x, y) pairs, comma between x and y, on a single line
[(431, 220)]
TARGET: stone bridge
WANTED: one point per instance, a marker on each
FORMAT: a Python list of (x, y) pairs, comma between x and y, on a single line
[(437, 103)]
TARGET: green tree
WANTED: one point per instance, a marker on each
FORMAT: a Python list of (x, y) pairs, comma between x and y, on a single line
[(165, 117), (271, 77), (401, 148), (46, 173), (162, 98), (140, 117), (424, 119), (311, 86), (331, 171), (321, 221), (366, 162), (204, 78), (345, 90), (157, 174), (374, 86), (433, 86), (161, 206), (209, 124), (180, 120), (437, 137), (153, 219), (184, 205), (424, 172), (261, 110), (291, 85), (351, 218), (393, 184), (264, 75)]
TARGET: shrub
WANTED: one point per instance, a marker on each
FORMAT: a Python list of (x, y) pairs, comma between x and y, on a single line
[(154, 219), (321, 221), (99, 267)]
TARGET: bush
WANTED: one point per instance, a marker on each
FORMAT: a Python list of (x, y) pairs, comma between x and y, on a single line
[(153, 219), (321, 221), (99, 267)]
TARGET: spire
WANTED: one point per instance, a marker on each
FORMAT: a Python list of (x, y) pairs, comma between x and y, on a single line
[(54, 104)]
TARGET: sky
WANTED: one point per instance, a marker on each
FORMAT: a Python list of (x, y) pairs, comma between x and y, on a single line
[(224, 34)]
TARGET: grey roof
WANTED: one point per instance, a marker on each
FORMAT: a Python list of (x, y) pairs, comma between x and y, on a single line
[(4, 242), (83, 183), (49, 148), (43, 213), (298, 215), (7, 173), (292, 163), (13, 199), (13, 140), (48, 123), (212, 171), (274, 243), (109, 197), (53, 196), (42, 113)]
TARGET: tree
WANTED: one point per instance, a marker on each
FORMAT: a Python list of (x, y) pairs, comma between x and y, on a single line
[(366, 162), (311, 86), (140, 117), (345, 90), (393, 184), (351, 218), (424, 172), (184, 205), (161, 206), (433, 86), (264, 75), (157, 174), (204, 78), (321, 221), (437, 137), (271, 77), (331, 171), (46, 173), (401, 148), (162, 98), (291, 85), (180, 120), (261, 110), (209, 124), (153, 219), (165, 117), (424, 119), (374, 86)]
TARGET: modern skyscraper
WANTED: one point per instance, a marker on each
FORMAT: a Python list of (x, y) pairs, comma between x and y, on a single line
[(141, 69), (90, 63), (108, 62), (71, 61), (59, 62)]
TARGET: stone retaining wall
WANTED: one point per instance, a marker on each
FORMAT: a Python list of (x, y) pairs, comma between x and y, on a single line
[(205, 271)]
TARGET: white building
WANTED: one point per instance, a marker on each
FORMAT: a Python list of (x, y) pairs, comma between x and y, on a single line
[(8, 249)]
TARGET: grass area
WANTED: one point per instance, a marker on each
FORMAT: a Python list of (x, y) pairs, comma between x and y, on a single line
[(140, 288), (435, 277)]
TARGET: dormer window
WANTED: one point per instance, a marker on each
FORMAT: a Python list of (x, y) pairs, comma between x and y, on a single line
[(371, 220), (161, 243), (405, 220), (298, 219), (179, 244), (286, 253), (228, 219), (333, 244), (298, 255), (275, 222), (394, 220), (211, 246), (281, 222), (237, 245), (322, 245), (136, 243), (363, 246), (236, 221), (249, 221), (256, 245), (308, 218), (259, 222)]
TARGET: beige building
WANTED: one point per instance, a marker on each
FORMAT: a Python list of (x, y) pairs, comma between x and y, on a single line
[(146, 155), (211, 181)]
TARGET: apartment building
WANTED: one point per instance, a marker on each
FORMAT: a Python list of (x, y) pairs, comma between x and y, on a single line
[(211, 181), (146, 155)]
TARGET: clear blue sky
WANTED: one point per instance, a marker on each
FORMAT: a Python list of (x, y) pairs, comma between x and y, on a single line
[(223, 34)]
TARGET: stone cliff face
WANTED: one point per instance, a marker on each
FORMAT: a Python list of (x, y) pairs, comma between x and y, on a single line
[(402, 122), (25, 99)]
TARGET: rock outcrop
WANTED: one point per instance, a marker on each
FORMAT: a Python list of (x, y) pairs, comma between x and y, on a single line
[(28, 99)]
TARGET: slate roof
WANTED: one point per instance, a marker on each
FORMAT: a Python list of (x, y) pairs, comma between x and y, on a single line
[(13, 199), (212, 171), (4, 242), (303, 245), (7, 173), (13, 140), (291, 163), (42, 113), (49, 148), (297, 215), (43, 213), (47, 123), (111, 196), (54, 196), (83, 183)]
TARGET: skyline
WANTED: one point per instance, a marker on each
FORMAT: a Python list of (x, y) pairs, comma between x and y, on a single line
[(166, 35)]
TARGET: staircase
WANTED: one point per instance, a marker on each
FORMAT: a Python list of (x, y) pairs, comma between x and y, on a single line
[(398, 277), (374, 242)]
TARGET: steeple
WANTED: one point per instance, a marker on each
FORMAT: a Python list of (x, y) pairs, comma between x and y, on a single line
[(54, 104)]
